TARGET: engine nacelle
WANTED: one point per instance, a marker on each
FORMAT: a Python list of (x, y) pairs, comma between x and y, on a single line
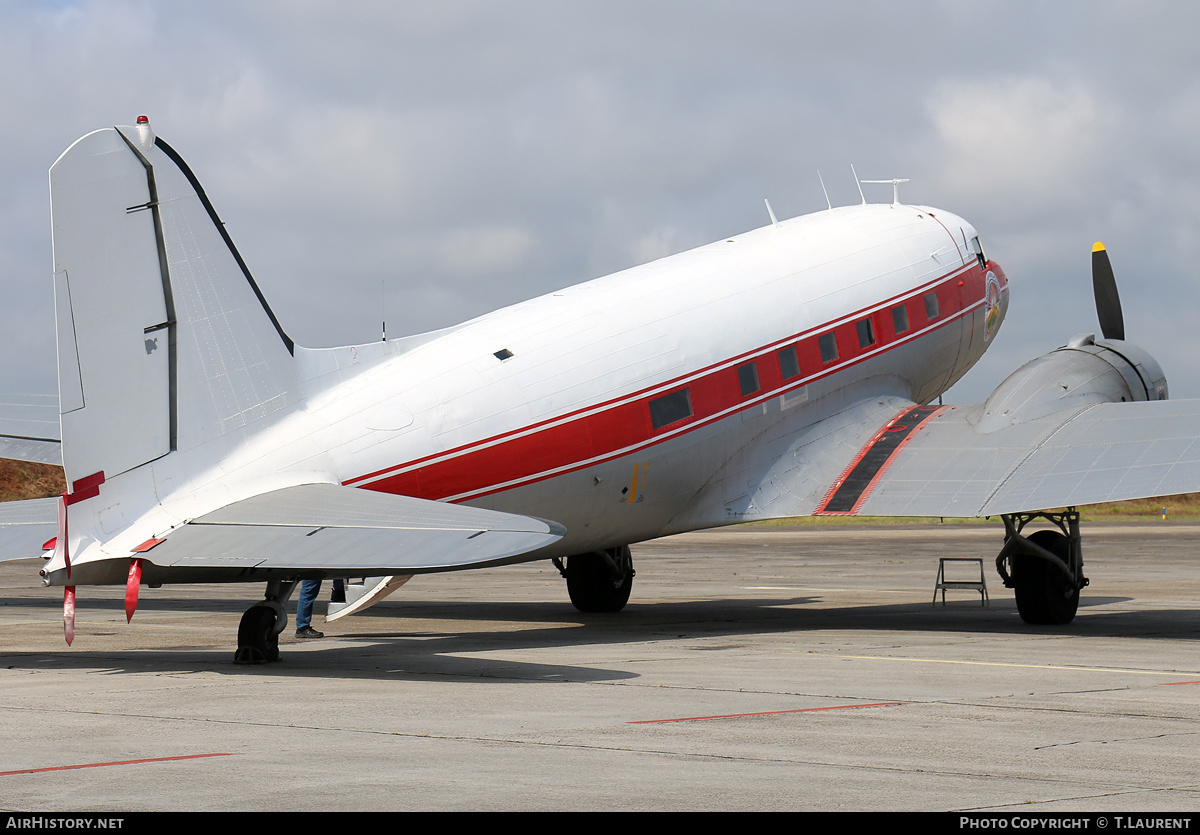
[(1082, 372)]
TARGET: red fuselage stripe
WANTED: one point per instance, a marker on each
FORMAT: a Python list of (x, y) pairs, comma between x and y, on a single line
[(623, 425)]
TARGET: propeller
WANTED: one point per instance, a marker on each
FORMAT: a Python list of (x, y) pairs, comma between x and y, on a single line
[(1108, 302)]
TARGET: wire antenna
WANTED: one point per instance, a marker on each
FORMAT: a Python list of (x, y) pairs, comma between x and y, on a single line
[(771, 212), (828, 203)]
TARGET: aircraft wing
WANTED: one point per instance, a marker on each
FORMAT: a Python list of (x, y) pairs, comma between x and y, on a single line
[(29, 428), (327, 526), (888, 456), (950, 466)]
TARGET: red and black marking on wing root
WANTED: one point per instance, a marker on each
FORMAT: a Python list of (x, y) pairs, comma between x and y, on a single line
[(851, 490)]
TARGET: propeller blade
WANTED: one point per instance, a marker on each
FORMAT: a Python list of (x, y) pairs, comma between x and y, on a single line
[(1108, 302)]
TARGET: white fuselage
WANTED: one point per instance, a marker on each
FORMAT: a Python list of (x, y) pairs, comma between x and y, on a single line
[(571, 406), (621, 408)]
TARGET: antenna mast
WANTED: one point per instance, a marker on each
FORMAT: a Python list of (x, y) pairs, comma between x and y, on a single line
[(895, 188), (771, 212)]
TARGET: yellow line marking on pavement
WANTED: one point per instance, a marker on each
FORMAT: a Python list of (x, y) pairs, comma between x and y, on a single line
[(1172, 673)]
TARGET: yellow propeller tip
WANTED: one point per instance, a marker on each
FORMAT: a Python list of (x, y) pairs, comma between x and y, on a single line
[(1097, 247)]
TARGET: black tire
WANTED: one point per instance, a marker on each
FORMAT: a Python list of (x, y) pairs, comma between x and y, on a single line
[(1044, 595), (593, 586), (258, 641)]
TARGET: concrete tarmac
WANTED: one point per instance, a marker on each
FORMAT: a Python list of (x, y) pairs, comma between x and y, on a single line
[(754, 669)]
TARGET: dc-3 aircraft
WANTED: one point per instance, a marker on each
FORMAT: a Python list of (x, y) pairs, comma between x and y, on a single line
[(781, 372)]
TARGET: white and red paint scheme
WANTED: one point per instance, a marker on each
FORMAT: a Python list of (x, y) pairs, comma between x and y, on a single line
[(614, 408), (563, 429), (779, 372)]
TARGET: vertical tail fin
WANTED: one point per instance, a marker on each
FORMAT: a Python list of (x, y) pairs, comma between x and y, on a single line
[(164, 340)]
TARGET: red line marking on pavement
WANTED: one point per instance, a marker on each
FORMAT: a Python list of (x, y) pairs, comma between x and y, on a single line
[(1170, 683), (763, 713), (118, 762)]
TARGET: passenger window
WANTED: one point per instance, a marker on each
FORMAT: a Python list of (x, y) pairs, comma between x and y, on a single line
[(748, 378), (900, 318), (866, 333), (931, 306), (670, 408), (828, 345), (789, 366)]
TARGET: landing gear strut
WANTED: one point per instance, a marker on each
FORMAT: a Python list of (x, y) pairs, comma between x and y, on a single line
[(599, 581), (1045, 568), (258, 633)]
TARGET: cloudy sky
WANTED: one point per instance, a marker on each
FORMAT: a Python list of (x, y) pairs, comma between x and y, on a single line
[(430, 161)]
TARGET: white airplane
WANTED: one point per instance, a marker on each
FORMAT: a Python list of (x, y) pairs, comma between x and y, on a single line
[(782, 372)]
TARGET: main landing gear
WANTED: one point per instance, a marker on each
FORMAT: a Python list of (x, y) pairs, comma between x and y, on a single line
[(258, 633), (1045, 569), (599, 581)]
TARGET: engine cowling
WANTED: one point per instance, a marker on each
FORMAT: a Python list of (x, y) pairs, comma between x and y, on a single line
[(1084, 371)]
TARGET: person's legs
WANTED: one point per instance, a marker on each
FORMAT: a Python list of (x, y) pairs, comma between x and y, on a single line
[(309, 589)]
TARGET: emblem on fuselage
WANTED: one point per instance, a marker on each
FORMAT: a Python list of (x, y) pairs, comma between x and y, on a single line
[(991, 315)]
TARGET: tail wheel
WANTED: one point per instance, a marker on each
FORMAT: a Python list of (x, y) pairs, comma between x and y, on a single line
[(600, 582), (1044, 594), (258, 635)]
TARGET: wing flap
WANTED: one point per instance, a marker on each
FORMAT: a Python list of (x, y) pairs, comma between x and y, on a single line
[(342, 528)]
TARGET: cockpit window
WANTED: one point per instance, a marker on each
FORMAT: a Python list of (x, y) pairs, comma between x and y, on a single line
[(977, 248)]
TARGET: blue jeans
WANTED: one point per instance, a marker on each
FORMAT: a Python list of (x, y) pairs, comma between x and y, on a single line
[(309, 589)]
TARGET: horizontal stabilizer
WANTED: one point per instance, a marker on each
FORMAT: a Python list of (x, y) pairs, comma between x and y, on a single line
[(344, 529), (25, 526), (29, 429)]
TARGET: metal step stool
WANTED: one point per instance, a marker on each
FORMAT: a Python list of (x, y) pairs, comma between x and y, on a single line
[(979, 585)]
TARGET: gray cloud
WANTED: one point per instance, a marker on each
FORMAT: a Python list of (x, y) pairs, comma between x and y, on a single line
[(455, 157)]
